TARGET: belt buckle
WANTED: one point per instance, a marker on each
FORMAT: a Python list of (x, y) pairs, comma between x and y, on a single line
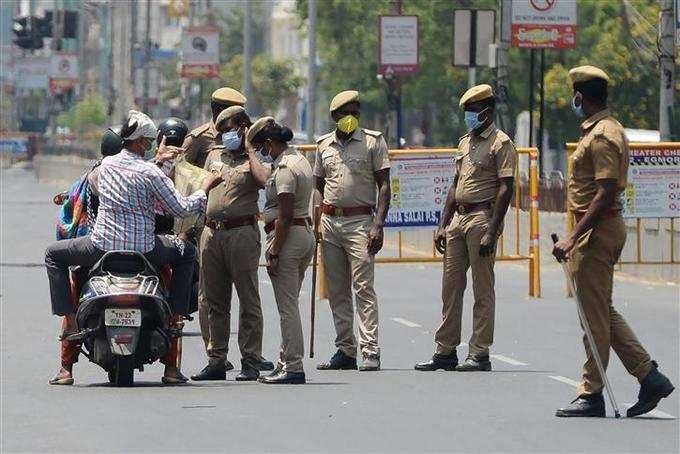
[(338, 211)]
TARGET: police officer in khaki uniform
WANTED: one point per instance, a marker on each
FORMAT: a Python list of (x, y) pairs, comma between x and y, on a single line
[(230, 250), (290, 240), (477, 201), (600, 170), (351, 165), (200, 140), (197, 145)]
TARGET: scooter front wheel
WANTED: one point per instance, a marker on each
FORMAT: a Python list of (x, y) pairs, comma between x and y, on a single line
[(123, 372)]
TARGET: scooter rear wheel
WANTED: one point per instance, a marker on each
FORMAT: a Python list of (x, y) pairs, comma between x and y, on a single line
[(123, 373)]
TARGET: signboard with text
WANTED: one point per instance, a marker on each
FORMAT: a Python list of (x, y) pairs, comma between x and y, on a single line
[(64, 72), (544, 24), (419, 188), (32, 72), (398, 45), (200, 52), (653, 189)]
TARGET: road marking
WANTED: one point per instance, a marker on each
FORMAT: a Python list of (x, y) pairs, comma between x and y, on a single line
[(262, 281), (566, 380), (405, 322), (509, 360), (656, 413)]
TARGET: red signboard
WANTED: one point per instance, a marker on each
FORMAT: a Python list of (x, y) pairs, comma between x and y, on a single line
[(536, 36), (544, 24), (398, 45)]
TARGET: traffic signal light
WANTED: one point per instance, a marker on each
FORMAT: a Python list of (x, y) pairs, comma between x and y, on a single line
[(27, 34)]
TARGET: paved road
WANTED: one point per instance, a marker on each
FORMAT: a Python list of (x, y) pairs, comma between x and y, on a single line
[(395, 410)]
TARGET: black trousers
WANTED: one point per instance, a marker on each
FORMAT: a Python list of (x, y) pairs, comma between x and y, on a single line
[(80, 251)]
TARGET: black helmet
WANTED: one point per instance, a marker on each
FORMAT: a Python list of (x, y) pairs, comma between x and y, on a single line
[(112, 143), (174, 130)]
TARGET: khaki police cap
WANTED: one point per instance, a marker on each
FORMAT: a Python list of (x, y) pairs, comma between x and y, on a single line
[(476, 93), (228, 113), (228, 95), (257, 127), (344, 97), (586, 73)]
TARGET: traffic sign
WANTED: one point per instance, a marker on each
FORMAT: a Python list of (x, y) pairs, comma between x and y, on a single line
[(398, 45), (544, 24)]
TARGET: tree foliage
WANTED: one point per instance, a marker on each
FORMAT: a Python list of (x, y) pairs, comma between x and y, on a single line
[(619, 41), (86, 115), (273, 79)]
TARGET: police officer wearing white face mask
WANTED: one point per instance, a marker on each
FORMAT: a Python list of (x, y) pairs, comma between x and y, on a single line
[(230, 251)]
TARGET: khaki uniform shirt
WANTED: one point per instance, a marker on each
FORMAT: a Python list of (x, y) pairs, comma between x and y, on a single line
[(602, 153), (198, 143), (349, 167), (291, 174), (237, 196), (480, 164)]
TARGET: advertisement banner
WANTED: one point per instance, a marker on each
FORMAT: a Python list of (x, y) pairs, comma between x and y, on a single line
[(64, 72), (32, 73), (544, 23), (419, 187), (200, 52), (653, 189), (398, 45)]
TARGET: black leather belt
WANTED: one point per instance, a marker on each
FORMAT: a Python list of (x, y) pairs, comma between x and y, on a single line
[(467, 208), (231, 223)]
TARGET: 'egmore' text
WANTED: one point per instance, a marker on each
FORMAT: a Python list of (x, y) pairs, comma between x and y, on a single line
[(403, 219)]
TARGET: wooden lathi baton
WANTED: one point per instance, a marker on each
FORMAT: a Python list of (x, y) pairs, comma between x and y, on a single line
[(315, 263)]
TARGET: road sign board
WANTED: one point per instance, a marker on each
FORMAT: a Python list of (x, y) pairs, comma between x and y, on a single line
[(544, 23), (481, 23), (398, 46), (200, 52)]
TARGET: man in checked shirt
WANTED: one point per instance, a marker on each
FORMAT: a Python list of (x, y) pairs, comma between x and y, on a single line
[(129, 189)]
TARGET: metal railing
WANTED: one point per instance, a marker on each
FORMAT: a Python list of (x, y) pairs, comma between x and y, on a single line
[(639, 255), (509, 248)]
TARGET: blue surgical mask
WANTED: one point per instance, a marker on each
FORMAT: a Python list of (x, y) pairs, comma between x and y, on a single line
[(578, 110), (266, 158), (231, 140), (472, 120)]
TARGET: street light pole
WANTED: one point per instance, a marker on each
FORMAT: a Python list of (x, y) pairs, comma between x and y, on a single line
[(311, 73), (147, 57)]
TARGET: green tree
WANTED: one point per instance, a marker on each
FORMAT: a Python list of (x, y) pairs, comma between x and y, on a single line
[(615, 35), (86, 115), (273, 79)]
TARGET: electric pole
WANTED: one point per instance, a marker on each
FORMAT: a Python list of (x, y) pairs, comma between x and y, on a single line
[(147, 57), (311, 72), (502, 69), (247, 51), (666, 68)]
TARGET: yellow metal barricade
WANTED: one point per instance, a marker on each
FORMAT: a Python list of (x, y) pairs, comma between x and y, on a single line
[(509, 249), (639, 255)]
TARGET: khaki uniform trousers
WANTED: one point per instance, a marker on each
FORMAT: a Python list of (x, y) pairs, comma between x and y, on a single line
[(462, 252), (231, 257), (294, 258), (592, 264), (349, 265)]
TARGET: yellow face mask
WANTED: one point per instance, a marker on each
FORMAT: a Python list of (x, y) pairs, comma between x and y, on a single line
[(348, 124)]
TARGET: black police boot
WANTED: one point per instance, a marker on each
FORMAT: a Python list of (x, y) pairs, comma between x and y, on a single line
[(590, 405), (446, 362), (474, 364), (249, 371), (339, 361), (285, 378), (263, 365), (654, 387), (211, 372)]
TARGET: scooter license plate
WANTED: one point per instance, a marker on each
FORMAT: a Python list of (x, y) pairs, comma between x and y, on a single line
[(122, 317)]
